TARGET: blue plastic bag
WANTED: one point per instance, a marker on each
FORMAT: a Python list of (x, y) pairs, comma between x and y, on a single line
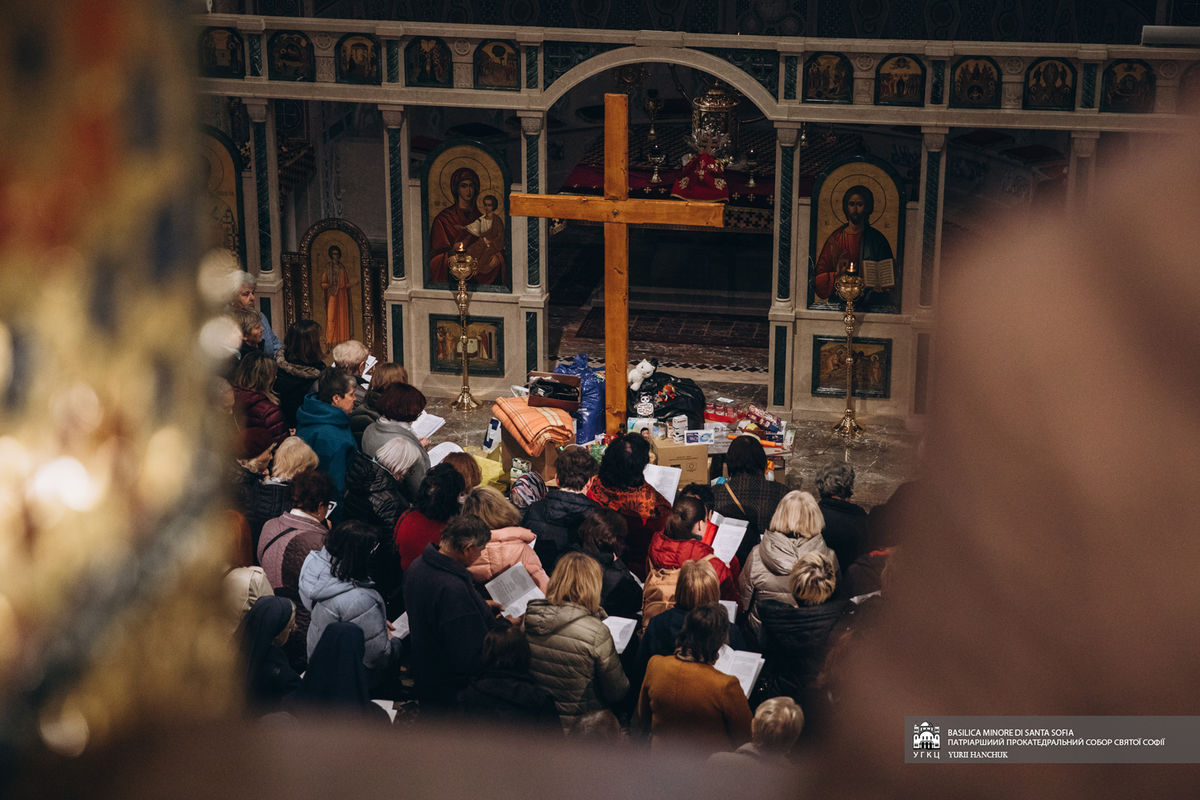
[(589, 420)]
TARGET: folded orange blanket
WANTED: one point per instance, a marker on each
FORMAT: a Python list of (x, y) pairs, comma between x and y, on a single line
[(534, 427)]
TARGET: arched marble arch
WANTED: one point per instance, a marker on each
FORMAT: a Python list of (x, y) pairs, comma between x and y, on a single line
[(718, 67)]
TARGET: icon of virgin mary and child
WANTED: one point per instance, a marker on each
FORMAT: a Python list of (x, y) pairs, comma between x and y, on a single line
[(481, 230)]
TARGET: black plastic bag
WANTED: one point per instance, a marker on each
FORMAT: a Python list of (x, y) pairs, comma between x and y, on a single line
[(669, 396)]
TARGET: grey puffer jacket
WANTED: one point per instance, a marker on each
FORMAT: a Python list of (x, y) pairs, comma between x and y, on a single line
[(333, 600), (574, 659), (765, 576)]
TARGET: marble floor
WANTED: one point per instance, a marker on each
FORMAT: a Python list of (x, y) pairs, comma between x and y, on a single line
[(883, 457)]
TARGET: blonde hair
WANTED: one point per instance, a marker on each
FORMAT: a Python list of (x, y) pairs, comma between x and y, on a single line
[(490, 506), (812, 579), (798, 515), (777, 724), (350, 355), (387, 373), (293, 455), (697, 585), (577, 579)]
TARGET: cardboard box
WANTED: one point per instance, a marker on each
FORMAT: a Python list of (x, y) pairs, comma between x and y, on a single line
[(691, 458), (536, 401), (543, 465)]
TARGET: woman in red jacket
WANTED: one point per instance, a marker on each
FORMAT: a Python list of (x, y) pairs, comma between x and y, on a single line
[(255, 406)]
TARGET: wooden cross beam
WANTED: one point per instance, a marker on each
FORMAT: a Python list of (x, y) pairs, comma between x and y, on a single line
[(617, 212)]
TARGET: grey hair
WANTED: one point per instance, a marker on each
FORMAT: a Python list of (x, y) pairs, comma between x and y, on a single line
[(835, 479), (397, 456)]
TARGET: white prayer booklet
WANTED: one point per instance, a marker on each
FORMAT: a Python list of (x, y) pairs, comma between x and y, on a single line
[(730, 608), (427, 425), (371, 362), (440, 451), (664, 479), (741, 664), (401, 626), (728, 537), (513, 589), (621, 629)]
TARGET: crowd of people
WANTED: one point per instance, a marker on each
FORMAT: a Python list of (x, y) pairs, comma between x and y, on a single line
[(359, 574)]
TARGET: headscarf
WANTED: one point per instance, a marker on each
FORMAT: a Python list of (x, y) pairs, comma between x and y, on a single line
[(336, 678), (269, 677)]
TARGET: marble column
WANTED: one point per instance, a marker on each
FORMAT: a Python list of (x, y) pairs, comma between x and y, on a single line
[(1081, 169), (396, 296), (787, 276), (266, 250), (533, 295)]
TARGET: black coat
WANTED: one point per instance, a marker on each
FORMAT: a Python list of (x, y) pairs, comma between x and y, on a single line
[(449, 621), (795, 640), (264, 502), (555, 519), (845, 529), (374, 496), (620, 595), (759, 498), (509, 697), (292, 383)]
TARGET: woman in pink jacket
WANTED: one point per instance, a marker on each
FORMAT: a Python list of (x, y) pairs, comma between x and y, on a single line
[(510, 544)]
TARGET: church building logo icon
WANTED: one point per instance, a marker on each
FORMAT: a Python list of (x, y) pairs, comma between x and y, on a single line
[(927, 737)]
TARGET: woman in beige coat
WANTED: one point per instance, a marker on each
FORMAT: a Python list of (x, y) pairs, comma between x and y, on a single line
[(795, 530), (510, 544), (573, 653)]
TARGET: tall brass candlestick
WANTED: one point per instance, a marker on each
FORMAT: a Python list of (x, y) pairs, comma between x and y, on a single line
[(849, 286), (462, 267)]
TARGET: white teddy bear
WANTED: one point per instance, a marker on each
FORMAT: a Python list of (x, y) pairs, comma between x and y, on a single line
[(644, 369)]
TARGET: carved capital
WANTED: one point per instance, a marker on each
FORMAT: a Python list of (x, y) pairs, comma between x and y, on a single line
[(462, 47), (393, 116), (1083, 143), (934, 139), (864, 62), (1168, 70), (786, 135), (531, 123), (1014, 65), (256, 107)]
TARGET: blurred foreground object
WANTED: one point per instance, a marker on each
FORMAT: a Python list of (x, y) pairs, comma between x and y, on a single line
[(108, 597)]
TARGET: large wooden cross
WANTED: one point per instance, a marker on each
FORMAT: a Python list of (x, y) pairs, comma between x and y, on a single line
[(617, 212)]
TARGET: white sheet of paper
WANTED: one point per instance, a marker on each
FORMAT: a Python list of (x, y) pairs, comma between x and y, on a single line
[(728, 538), (366, 373), (427, 425), (730, 608), (387, 705), (621, 629), (440, 451), (513, 589), (741, 664), (664, 479), (401, 626)]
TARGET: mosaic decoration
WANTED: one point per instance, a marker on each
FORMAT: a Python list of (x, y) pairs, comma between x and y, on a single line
[(861, 193), (937, 88), (290, 57), (485, 345), (1088, 88), (256, 55), (397, 333), (783, 288), (396, 198), (334, 280), (762, 65), (900, 81), (393, 61), (427, 62), (929, 225), (531, 341), (357, 59), (975, 83), (561, 57), (223, 202), (872, 367), (779, 368), (828, 78), (465, 198), (533, 224), (1050, 85), (497, 66), (1128, 87), (791, 68), (262, 195), (222, 53)]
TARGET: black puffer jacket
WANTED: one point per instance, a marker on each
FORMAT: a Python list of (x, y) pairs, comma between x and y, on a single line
[(292, 383), (511, 698), (555, 519), (845, 529), (794, 644), (374, 496)]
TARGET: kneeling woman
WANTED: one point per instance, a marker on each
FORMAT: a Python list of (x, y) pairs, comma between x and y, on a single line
[(573, 653), (685, 700)]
